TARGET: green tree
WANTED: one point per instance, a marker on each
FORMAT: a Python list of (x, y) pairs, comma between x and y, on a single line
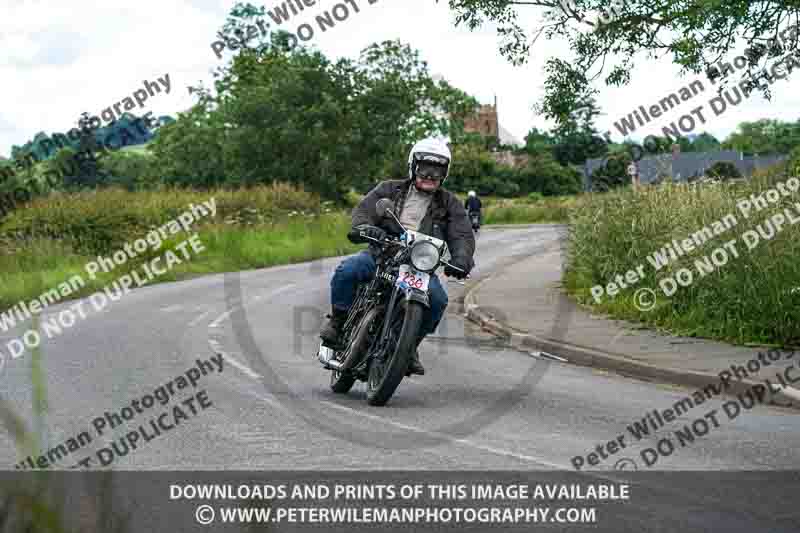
[(242, 17), (130, 170), (292, 114), (576, 138), (705, 142), (607, 38), (473, 168), (764, 137), (543, 174), (538, 142)]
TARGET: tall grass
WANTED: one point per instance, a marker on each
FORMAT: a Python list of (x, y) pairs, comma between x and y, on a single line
[(46, 263), (751, 299), (97, 221), (530, 211), (53, 239)]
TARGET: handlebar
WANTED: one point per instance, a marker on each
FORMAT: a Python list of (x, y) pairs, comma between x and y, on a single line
[(398, 243)]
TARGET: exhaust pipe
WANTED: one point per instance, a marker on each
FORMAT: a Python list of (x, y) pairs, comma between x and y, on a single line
[(325, 357), (334, 365)]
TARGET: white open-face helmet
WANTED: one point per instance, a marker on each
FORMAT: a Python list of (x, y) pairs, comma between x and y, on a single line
[(430, 158), (471, 193)]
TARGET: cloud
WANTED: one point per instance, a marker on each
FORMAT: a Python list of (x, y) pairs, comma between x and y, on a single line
[(63, 58), (44, 49)]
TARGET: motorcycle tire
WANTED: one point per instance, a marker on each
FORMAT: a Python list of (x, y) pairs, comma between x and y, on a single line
[(381, 385), (342, 381)]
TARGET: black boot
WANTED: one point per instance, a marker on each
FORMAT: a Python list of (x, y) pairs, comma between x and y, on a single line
[(414, 366), (332, 331)]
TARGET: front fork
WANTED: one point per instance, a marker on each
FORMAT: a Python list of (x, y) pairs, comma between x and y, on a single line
[(410, 295), (387, 322)]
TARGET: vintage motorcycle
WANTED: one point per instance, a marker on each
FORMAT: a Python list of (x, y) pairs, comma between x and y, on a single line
[(382, 327)]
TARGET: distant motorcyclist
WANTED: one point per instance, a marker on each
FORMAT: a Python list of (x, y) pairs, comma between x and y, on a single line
[(422, 205), (473, 205)]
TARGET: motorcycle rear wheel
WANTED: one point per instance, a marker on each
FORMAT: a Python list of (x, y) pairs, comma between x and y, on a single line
[(384, 379)]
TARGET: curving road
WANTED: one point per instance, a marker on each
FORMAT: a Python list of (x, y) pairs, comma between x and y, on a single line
[(479, 407)]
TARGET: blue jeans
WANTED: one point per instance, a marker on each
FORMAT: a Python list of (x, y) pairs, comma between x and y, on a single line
[(360, 268)]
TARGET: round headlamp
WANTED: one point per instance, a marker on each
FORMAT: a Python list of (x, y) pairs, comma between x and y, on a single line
[(424, 256)]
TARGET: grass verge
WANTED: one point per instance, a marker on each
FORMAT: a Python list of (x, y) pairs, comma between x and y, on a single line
[(46, 263), (750, 299), (553, 210), (53, 238), (44, 247)]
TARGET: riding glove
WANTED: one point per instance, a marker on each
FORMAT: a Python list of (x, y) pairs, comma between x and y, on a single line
[(459, 263), (370, 231)]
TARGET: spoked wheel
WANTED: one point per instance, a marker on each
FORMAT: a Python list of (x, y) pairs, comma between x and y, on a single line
[(385, 377), (342, 381)]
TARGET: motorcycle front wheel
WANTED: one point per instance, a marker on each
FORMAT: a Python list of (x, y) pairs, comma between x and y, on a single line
[(384, 378)]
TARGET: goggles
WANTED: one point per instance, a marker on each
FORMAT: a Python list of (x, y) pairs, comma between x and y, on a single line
[(430, 171)]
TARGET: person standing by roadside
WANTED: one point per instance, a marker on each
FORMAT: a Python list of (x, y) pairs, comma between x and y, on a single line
[(633, 172)]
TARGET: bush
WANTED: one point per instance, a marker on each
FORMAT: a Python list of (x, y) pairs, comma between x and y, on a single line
[(723, 170), (535, 197), (94, 222), (747, 300), (613, 173), (544, 175), (794, 162), (131, 170)]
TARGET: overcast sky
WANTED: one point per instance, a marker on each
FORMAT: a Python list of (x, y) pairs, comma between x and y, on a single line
[(62, 58)]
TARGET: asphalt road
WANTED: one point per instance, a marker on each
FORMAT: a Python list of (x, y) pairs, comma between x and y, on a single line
[(479, 407)]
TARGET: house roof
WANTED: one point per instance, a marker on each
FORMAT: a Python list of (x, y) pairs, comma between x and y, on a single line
[(685, 165)]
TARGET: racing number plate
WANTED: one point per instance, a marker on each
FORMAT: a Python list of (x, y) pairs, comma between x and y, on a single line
[(415, 279)]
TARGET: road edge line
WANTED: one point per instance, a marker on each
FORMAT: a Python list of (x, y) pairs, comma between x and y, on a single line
[(595, 358)]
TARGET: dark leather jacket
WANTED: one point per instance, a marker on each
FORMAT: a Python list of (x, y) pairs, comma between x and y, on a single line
[(446, 218), (473, 203)]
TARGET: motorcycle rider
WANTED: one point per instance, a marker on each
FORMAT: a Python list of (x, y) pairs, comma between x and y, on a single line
[(473, 203), (421, 204)]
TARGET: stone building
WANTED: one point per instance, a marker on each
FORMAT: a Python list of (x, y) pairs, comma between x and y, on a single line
[(484, 121)]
